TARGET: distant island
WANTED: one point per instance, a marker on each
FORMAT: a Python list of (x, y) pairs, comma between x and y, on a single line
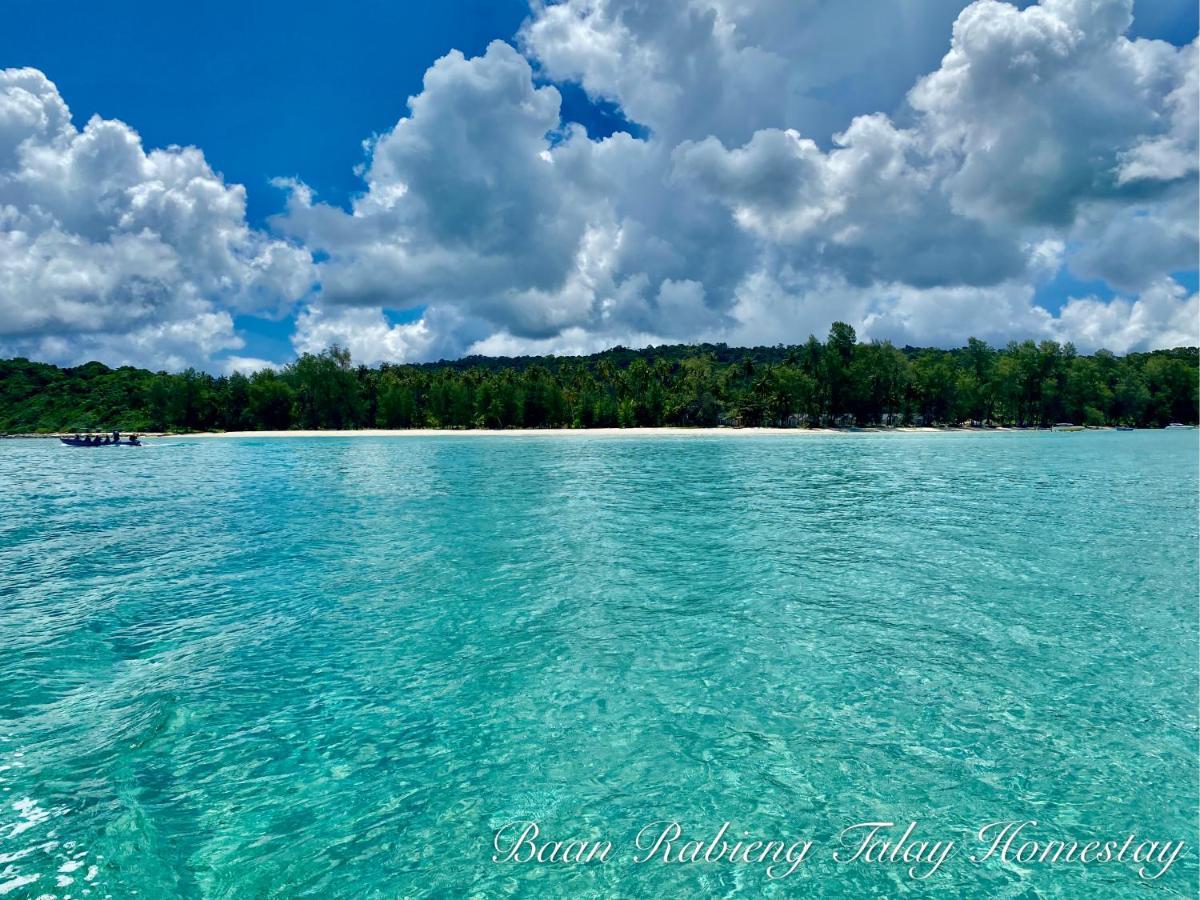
[(836, 383)]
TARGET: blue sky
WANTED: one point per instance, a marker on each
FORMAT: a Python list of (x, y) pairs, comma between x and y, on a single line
[(271, 89), (267, 88), (275, 88)]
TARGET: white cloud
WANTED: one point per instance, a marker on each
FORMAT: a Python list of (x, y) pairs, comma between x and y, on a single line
[(1165, 315), (1044, 138), (1134, 245), (1052, 107), (728, 68), (1171, 155), (364, 331), (1028, 131), (571, 342), (245, 365), (464, 203), (191, 339), (108, 250), (872, 208), (804, 163), (476, 210), (794, 306)]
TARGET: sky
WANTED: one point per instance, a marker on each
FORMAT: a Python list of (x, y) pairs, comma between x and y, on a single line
[(226, 185)]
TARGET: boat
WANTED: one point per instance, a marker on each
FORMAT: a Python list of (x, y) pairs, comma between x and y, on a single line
[(95, 440), (1067, 426), (1125, 428), (1178, 425)]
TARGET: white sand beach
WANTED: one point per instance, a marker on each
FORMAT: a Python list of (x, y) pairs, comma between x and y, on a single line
[(665, 431)]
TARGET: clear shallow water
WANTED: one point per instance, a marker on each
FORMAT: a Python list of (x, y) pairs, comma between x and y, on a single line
[(332, 667)]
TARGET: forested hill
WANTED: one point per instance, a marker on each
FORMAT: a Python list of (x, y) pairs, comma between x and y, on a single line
[(839, 381)]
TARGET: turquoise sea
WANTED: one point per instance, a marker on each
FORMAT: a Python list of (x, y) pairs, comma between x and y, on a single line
[(333, 667)]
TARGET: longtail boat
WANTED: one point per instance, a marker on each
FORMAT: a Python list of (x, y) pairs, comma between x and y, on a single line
[(112, 440)]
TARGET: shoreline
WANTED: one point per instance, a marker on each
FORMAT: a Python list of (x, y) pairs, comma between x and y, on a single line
[(662, 431), (638, 431)]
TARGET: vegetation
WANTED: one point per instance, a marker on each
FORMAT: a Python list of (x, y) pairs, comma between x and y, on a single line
[(838, 382)]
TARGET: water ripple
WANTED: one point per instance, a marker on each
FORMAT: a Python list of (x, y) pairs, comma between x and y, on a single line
[(330, 667)]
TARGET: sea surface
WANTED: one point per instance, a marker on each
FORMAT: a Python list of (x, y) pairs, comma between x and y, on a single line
[(334, 667)]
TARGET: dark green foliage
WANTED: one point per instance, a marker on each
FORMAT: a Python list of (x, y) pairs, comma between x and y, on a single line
[(839, 382), (327, 390), (270, 402)]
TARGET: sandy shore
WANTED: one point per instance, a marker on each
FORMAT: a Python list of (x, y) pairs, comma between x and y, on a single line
[(590, 432)]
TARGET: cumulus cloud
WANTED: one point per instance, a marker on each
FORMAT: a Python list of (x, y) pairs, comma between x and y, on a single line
[(463, 200), (364, 331), (728, 68), (1051, 107), (1039, 122), (483, 208), (110, 251), (800, 165), (871, 208), (245, 365), (188, 337), (1164, 315), (1044, 138)]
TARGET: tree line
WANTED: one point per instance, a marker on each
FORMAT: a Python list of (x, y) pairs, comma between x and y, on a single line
[(839, 382)]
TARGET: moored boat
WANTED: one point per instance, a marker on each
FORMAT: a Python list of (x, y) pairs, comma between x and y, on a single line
[(1178, 425), (1067, 426), (95, 440)]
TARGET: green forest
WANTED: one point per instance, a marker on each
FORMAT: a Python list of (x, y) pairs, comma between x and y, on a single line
[(837, 382)]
